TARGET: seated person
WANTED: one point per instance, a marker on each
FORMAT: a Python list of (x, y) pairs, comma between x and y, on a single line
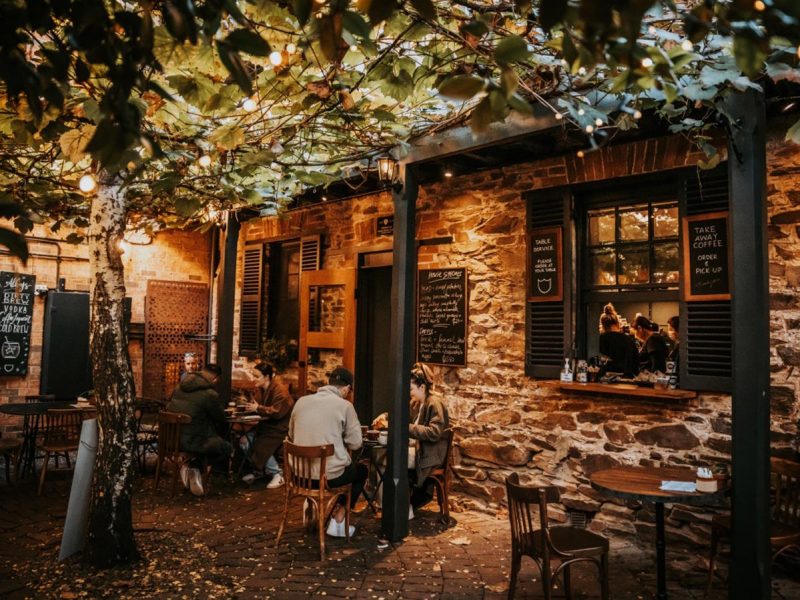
[(196, 397), (653, 355), (429, 420), (191, 364), (619, 347), (673, 329), (272, 400), (327, 417)]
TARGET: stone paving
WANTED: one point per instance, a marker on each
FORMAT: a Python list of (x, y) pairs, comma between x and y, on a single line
[(222, 546)]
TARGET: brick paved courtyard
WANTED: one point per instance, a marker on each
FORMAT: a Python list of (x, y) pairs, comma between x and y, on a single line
[(222, 546)]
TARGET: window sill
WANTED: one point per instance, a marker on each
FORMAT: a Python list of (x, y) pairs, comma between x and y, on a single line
[(627, 389)]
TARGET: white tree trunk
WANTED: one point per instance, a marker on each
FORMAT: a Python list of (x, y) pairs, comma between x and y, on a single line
[(111, 538)]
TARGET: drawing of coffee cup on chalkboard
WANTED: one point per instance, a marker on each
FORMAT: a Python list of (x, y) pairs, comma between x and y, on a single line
[(544, 285), (10, 349)]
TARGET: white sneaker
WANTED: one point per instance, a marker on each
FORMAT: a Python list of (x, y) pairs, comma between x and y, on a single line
[(276, 481), (185, 475), (308, 512), (410, 512), (196, 482), (336, 528)]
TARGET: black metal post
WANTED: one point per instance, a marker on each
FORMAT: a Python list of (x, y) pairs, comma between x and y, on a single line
[(750, 550), (661, 554), (394, 518), (225, 307)]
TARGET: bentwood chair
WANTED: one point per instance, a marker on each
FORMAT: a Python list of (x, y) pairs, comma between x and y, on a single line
[(785, 517), (566, 545), (441, 479), (9, 448), (298, 463), (61, 435), (169, 448), (145, 413)]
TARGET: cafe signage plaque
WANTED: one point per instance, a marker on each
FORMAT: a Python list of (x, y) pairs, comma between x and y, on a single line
[(706, 257), (442, 317), (16, 316), (545, 265), (384, 226)]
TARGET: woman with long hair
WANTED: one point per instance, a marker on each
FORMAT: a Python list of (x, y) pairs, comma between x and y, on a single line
[(619, 348), (653, 355)]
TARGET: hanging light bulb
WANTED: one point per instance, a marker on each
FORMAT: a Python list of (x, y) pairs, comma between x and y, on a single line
[(249, 105), (581, 154), (598, 121), (647, 62), (651, 30), (275, 58), (687, 45), (637, 114), (354, 48), (87, 184), (559, 116), (204, 161), (589, 128), (759, 5), (291, 48), (581, 112)]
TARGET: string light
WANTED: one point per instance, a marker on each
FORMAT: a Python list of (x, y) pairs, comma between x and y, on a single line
[(275, 58), (581, 154), (291, 48), (589, 128), (647, 62), (249, 105), (559, 116), (581, 112), (354, 48), (204, 161), (759, 5), (598, 121), (651, 30), (637, 114), (448, 173), (687, 45), (87, 184)]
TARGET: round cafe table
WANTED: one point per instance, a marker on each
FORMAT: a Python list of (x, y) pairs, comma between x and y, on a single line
[(644, 484)]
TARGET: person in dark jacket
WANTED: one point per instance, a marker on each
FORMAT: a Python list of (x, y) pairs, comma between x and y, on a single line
[(618, 347), (429, 422), (653, 355), (196, 397), (273, 401)]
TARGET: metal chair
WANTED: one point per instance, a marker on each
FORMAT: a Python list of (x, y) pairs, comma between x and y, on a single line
[(785, 519), (298, 463), (62, 433), (441, 479), (9, 447), (567, 545), (145, 413)]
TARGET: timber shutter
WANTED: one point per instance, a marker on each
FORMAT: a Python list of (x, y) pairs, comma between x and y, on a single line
[(251, 302), (547, 324), (706, 328)]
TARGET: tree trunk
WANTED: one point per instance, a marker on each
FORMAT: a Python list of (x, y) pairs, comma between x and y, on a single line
[(111, 540)]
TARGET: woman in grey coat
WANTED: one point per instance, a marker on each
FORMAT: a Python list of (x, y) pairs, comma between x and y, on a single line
[(429, 421)]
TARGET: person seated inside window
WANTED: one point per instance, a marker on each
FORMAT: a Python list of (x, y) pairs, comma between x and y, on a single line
[(673, 327), (619, 348), (429, 419), (653, 355)]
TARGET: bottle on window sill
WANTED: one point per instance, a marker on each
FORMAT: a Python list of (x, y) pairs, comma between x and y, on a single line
[(566, 372), (581, 371)]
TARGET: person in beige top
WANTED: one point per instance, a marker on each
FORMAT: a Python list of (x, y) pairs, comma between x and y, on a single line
[(327, 417)]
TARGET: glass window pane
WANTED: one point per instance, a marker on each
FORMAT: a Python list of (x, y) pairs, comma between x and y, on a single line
[(667, 263), (604, 267), (634, 266), (601, 227), (633, 224), (665, 220)]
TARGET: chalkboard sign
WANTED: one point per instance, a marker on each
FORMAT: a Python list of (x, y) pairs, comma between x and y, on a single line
[(16, 316), (442, 317), (706, 259), (544, 265)]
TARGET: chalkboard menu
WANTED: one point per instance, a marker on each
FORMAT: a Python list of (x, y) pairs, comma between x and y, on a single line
[(706, 257), (544, 265), (442, 317), (16, 316)]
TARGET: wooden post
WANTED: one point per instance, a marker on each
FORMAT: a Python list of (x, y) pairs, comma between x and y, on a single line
[(394, 518), (750, 549), (225, 307)]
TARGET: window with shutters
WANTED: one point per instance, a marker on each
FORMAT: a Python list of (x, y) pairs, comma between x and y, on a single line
[(270, 304)]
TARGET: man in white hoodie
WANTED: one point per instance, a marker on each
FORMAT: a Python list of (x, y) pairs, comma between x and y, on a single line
[(328, 417)]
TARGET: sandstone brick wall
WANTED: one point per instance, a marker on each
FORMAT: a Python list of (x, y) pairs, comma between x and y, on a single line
[(507, 422), (173, 255)]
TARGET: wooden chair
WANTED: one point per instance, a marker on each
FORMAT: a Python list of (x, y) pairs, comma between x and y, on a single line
[(169, 448), (298, 462), (785, 519), (567, 545), (146, 414), (9, 448), (441, 479), (61, 435)]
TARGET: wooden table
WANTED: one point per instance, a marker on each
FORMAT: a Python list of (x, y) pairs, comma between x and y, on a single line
[(643, 484)]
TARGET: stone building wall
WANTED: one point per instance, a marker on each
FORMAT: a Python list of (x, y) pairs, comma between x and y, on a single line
[(507, 422), (173, 255)]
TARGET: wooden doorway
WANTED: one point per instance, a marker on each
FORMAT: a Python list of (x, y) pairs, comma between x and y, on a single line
[(327, 324)]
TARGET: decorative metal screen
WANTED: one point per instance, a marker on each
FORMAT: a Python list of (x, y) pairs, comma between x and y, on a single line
[(174, 311)]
